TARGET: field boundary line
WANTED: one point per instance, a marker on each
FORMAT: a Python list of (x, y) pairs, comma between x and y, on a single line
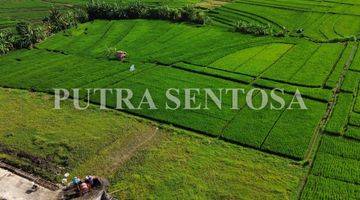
[(306, 61), (273, 126), (272, 64), (214, 68), (233, 118), (350, 138), (335, 65), (127, 33), (251, 57), (211, 75), (337, 179), (248, 16), (290, 83), (292, 93), (110, 25)]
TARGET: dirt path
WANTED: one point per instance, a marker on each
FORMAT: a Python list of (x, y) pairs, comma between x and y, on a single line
[(109, 159), (14, 187)]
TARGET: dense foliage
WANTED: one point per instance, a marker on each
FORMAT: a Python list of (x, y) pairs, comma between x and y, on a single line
[(61, 20), (7, 41), (26, 34), (29, 34), (134, 10), (253, 28)]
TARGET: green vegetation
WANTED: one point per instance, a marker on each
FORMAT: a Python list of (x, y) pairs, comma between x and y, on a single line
[(311, 46), (339, 118), (136, 10), (51, 142), (193, 167), (255, 29), (325, 188), (83, 64), (13, 12), (335, 173), (318, 20)]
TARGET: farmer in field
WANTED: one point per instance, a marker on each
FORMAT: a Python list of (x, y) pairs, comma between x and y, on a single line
[(121, 55)]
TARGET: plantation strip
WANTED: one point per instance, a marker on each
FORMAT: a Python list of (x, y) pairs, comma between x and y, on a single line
[(242, 128), (232, 61)]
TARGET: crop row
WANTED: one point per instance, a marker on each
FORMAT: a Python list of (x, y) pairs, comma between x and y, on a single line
[(335, 173), (325, 188)]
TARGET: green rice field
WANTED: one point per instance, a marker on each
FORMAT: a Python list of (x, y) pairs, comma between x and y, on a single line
[(211, 153)]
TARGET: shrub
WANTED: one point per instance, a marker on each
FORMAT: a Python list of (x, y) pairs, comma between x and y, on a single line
[(62, 20), (135, 10), (251, 28), (29, 34), (81, 15), (163, 12), (189, 13), (55, 21), (282, 33), (7, 40), (101, 10)]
